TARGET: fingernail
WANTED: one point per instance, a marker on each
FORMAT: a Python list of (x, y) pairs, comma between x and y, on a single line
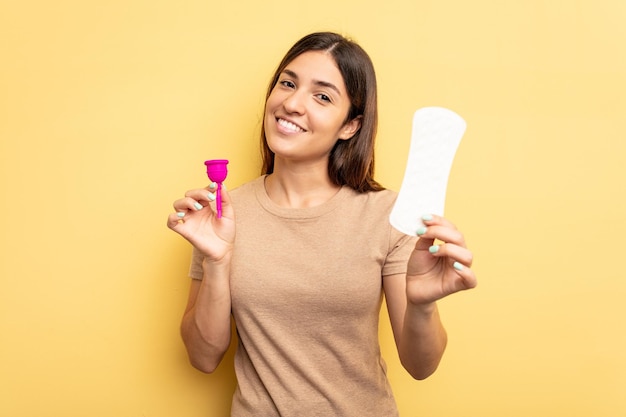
[(458, 266), (197, 205), (213, 185), (211, 196), (421, 231), (433, 249), (427, 217), (181, 214)]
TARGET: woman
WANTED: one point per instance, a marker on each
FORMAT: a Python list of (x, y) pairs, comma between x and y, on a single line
[(313, 253)]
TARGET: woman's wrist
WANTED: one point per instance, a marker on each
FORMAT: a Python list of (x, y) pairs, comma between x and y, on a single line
[(216, 268), (422, 309)]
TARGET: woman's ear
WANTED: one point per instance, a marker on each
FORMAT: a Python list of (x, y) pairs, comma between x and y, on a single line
[(350, 128)]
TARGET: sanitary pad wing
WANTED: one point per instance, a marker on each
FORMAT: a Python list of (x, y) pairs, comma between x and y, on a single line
[(435, 138)]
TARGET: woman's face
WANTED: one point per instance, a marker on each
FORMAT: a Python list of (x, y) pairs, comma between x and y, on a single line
[(306, 111)]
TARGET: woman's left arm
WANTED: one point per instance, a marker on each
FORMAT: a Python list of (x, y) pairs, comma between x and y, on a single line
[(434, 271)]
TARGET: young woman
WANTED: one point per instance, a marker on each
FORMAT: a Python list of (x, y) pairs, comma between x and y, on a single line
[(302, 255)]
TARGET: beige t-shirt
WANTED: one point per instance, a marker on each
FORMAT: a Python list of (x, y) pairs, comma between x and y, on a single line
[(306, 288)]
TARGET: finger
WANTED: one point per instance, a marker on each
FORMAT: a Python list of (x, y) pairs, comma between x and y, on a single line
[(197, 199), (190, 204), (468, 278), (174, 219), (203, 196), (456, 253), (428, 234), (443, 231), (433, 219)]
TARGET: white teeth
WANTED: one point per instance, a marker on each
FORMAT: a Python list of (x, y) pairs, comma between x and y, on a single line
[(290, 126)]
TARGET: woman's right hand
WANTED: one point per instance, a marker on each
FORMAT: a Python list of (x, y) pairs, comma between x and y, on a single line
[(195, 219)]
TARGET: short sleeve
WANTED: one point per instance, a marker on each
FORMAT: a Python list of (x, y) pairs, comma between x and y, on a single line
[(400, 248)]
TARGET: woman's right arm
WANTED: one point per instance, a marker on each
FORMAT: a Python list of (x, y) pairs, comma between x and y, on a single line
[(206, 327)]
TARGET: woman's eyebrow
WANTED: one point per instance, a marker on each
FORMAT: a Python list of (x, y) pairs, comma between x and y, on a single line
[(316, 82)]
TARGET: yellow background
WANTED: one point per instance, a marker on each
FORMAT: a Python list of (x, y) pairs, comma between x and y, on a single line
[(108, 109)]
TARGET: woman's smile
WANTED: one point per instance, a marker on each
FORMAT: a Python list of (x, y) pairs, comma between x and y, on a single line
[(288, 127)]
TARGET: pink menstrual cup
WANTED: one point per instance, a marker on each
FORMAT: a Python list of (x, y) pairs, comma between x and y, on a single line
[(216, 170)]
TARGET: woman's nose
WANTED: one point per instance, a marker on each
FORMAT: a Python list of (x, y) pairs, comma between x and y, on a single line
[(294, 102)]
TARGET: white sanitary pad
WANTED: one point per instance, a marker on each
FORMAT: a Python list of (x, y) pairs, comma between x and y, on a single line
[(436, 135)]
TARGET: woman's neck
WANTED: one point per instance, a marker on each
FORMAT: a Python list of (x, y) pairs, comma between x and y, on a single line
[(300, 188)]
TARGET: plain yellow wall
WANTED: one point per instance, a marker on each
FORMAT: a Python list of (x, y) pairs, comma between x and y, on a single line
[(108, 109)]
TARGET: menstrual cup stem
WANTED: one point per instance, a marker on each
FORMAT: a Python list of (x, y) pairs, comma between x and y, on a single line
[(218, 200)]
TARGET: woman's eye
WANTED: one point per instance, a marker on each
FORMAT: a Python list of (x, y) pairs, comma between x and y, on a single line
[(324, 97), (287, 83)]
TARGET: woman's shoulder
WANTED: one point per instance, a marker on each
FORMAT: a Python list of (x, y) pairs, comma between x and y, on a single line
[(380, 200), (381, 195), (246, 189)]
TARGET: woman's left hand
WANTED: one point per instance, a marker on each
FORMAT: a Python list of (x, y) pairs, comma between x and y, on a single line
[(436, 270)]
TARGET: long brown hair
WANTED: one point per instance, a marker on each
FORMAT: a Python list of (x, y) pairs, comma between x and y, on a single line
[(351, 161)]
